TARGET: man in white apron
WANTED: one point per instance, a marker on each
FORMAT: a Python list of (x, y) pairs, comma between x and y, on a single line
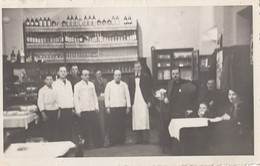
[(140, 89)]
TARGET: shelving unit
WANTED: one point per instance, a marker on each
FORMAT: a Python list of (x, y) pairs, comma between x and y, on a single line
[(164, 60)]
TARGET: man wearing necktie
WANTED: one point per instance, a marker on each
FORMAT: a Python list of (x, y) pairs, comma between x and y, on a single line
[(140, 89), (63, 90), (117, 102)]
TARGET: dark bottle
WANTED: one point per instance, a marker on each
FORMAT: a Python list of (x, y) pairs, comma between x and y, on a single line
[(125, 20), (36, 23), (32, 22), (76, 22), (72, 21), (109, 22), (129, 20), (44, 22), (13, 57), (40, 22), (18, 59), (68, 21), (98, 22), (85, 21), (48, 22), (53, 23), (27, 22)]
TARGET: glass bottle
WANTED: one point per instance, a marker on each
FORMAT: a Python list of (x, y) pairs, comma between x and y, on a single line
[(72, 21), (129, 20), (89, 21), (22, 56), (117, 20), (18, 58), (80, 22), (36, 23), (98, 22), (85, 20), (48, 22), (32, 22), (44, 23), (68, 21), (76, 21), (27, 22), (13, 58), (94, 21), (113, 20), (40, 22), (104, 22)]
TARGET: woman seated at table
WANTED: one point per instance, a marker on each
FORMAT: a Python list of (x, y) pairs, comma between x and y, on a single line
[(236, 125)]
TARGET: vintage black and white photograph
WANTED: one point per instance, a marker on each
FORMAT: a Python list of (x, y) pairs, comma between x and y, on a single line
[(128, 81)]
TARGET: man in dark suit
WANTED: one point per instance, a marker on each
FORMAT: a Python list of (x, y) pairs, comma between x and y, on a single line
[(141, 96), (99, 82)]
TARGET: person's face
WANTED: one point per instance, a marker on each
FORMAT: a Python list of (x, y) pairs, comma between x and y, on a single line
[(175, 75), (98, 74), (62, 72), (203, 108), (117, 75), (137, 67), (211, 85), (233, 97), (74, 70), (48, 81), (85, 75)]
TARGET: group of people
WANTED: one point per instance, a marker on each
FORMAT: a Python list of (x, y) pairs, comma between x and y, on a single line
[(184, 99), (75, 94)]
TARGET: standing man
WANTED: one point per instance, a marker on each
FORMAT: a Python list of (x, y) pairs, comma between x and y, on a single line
[(63, 90), (48, 106), (100, 83), (140, 89), (86, 107), (117, 102), (74, 76)]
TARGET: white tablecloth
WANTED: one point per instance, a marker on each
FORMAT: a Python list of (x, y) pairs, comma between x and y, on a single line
[(38, 150), (177, 124), (19, 121)]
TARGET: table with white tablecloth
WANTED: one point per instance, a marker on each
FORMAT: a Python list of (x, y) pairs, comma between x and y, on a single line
[(39, 149), (20, 121)]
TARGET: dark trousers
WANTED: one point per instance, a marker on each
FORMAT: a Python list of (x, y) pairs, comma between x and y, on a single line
[(117, 118), (65, 124), (50, 127), (143, 136), (90, 125)]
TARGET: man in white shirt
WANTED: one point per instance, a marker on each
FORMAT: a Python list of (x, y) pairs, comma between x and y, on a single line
[(117, 102), (86, 107), (63, 90), (48, 106)]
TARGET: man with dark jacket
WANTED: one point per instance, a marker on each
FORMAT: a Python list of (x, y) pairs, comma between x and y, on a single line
[(141, 96)]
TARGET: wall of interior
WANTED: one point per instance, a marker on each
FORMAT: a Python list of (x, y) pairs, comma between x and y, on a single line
[(162, 27)]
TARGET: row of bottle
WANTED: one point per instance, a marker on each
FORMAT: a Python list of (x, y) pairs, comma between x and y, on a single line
[(81, 38), (99, 37), (75, 22), (18, 58)]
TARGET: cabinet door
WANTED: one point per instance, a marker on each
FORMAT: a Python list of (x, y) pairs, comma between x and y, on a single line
[(195, 65)]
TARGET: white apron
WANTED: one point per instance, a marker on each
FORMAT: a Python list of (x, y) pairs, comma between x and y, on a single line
[(140, 111)]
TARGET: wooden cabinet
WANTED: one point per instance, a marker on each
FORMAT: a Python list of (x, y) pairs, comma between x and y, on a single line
[(164, 60)]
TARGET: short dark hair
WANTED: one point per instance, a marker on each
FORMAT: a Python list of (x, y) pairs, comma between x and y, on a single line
[(48, 75), (74, 64), (95, 71), (63, 66), (138, 62)]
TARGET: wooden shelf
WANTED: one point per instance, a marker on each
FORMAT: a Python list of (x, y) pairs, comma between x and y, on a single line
[(82, 28), (102, 45), (45, 45), (102, 60)]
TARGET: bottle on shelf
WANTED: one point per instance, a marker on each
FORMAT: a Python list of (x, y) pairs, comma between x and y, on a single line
[(68, 21), (53, 24), (89, 21), (72, 21), (18, 58), (27, 22), (76, 21), (40, 22), (113, 20), (85, 20), (36, 23), (13, 58), (44, 23), (93, 23), (109, 22), (80, 22), (104, 22), (125, 20), (32, 22), (22, 56), (117, 20), (48, 22), (98, 23), (129, 20)]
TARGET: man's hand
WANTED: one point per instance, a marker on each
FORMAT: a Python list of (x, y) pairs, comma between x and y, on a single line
[(166, 100), (78, 114), (44, 116), (149, 104), (127, 110), (225, 117), (108, 110)]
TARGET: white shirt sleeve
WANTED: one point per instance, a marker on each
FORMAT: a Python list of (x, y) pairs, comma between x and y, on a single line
[(127, 94), (107, 95), (95, 97), (40, 101), (76, 98)]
